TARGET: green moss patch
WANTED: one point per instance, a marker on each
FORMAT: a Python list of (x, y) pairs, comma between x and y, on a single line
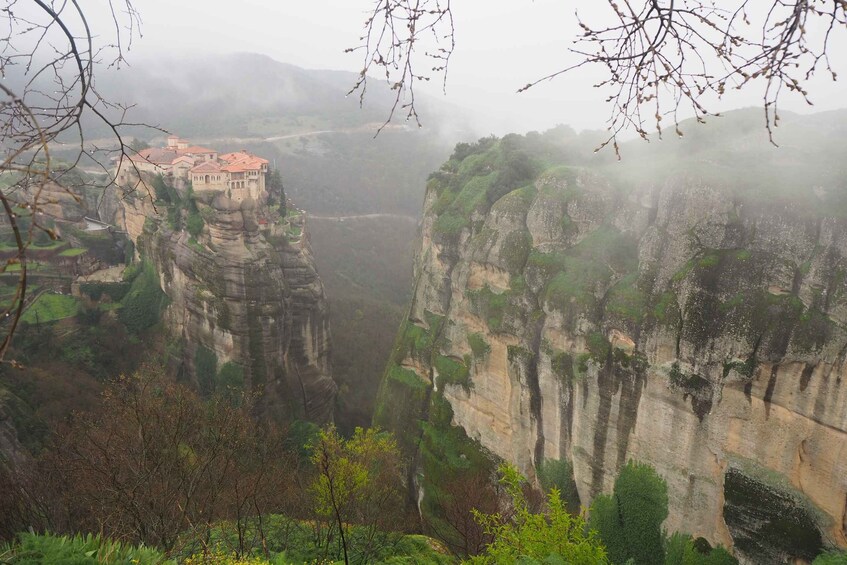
[(598, 346), (626, 300), (490, 306), (450, 223), (406, 377), (145, 301), (515, 250), (562, 365), (479, 347), (451, 371), (576, 274)]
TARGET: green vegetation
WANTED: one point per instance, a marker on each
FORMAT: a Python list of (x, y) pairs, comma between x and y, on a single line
[(831, 558), (666, 309), (51, 307), (491, 306), (289, 542), (145, 301), (478, 345), (558, 474), (451, 371), (598, 346), (555, 536), (450, 223), (562, 365), (114, 290), (473, 194), (682, 549), (35, 549), (575, 275), (515, 250), (230, 376), (629, 523), (630, 520), (177, 206), (276, 191), (73, 252), (476, 177), (688, 382), (357, 482), (626, 300), (768, 517), (406, 377)]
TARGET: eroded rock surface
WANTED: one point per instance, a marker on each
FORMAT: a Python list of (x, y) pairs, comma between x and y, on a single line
[(246, 292), (675, 323)]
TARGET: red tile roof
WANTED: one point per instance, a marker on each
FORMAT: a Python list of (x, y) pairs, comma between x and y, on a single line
[(241, 161), (240, 155), (157, 155), (207, 167)]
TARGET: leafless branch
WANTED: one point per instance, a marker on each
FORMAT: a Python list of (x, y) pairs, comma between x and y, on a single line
[(663, 58), (396, 35), (48, 60)]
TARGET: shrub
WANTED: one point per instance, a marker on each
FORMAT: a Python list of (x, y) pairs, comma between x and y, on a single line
[(630, 520), (554, 537), (144, 303), (194, 224), (33, 549)]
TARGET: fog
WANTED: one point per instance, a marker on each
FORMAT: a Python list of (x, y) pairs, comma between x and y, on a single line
[(500, 46)]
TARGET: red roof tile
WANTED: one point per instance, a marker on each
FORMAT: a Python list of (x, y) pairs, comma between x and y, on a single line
[(157, 155), (207, 167)]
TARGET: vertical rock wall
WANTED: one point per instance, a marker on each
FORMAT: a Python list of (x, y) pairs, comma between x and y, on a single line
[(249, 294), (676, 324)]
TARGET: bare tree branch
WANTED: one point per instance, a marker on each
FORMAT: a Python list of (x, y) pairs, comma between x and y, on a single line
[(663, 58), (51, 54)]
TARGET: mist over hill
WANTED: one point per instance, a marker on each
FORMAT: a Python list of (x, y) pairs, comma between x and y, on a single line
[(332, 165)]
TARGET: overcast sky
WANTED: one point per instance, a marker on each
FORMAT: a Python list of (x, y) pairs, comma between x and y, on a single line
[(500, 46)]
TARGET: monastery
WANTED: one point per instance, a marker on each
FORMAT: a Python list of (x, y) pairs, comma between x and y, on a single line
[(240, 175)]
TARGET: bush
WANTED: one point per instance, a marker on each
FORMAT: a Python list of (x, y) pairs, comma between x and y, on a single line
[(144, 303), (681, 549), (630, 520), (552, 537), (114, 290), (35, 549), (194, 224)]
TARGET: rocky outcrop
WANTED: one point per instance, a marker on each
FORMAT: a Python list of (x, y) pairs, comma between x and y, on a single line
[(683, 323), (243, 295)]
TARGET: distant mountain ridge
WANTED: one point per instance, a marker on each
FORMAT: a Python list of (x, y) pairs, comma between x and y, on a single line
[(232, 94)]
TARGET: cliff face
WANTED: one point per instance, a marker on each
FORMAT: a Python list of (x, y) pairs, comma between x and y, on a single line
[(682, 323), (242, 295)]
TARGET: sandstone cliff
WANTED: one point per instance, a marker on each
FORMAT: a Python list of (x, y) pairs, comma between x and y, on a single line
[(687, 318), (243, 294)]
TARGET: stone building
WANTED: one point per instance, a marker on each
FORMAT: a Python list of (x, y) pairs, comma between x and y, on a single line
[(240, 175)]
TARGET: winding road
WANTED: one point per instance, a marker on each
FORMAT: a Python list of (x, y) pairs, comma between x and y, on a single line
[(363, 216)]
